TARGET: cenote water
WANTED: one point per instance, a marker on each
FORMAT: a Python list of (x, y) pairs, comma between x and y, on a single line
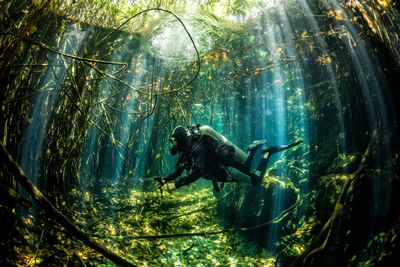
[(107, 157)]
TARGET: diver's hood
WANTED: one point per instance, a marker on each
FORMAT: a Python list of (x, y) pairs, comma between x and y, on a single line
[(179, 139), (173, 151)]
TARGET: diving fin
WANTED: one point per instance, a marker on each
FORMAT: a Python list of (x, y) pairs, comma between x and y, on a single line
[(275, 149), (256, 178), (255, 145)]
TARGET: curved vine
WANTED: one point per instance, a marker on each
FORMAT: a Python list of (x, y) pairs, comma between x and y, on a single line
[(186, 30)]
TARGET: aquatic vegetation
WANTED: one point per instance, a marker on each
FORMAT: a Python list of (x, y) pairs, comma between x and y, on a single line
[(91, 91), (118, 225)]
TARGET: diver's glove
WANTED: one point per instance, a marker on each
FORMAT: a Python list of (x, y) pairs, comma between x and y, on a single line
[(160, 182), (170, 187)]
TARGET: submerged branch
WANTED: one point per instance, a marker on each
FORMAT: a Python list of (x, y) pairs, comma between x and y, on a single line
[(178, 102), (33, 65), (187, 32), (10, 194), (106, 74), (196, 210), (130, 113), (152, 95), (152, 108), (36, 91), (54, 50), (88, 119), (277, 219), (320, 241), (113, 140), (50, 209)]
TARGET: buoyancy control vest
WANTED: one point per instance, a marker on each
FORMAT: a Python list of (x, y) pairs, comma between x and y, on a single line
[(230, 154)]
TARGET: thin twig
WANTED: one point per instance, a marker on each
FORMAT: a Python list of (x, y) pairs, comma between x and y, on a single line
[(52, 211), (54, 50), (189, 248), (38, 245), (197, 210), (181, 109), (32, 65), (115, 78), (277, 219), (88, 119), (152, 95), (187, 32)]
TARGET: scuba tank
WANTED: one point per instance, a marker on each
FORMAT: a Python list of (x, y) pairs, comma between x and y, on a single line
[(229, 152)]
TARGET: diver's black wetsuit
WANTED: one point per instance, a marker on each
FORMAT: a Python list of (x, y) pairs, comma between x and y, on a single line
[(206, 154), (201, 160)]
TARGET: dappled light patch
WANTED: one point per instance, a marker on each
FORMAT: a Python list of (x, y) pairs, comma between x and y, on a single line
[(137, 213)]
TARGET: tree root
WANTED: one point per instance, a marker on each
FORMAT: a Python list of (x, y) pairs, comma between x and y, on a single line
[(319, 243), (277, 219), (24, 181)]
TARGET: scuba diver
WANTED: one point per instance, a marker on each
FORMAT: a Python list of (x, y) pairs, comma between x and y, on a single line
[(205, 153)]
